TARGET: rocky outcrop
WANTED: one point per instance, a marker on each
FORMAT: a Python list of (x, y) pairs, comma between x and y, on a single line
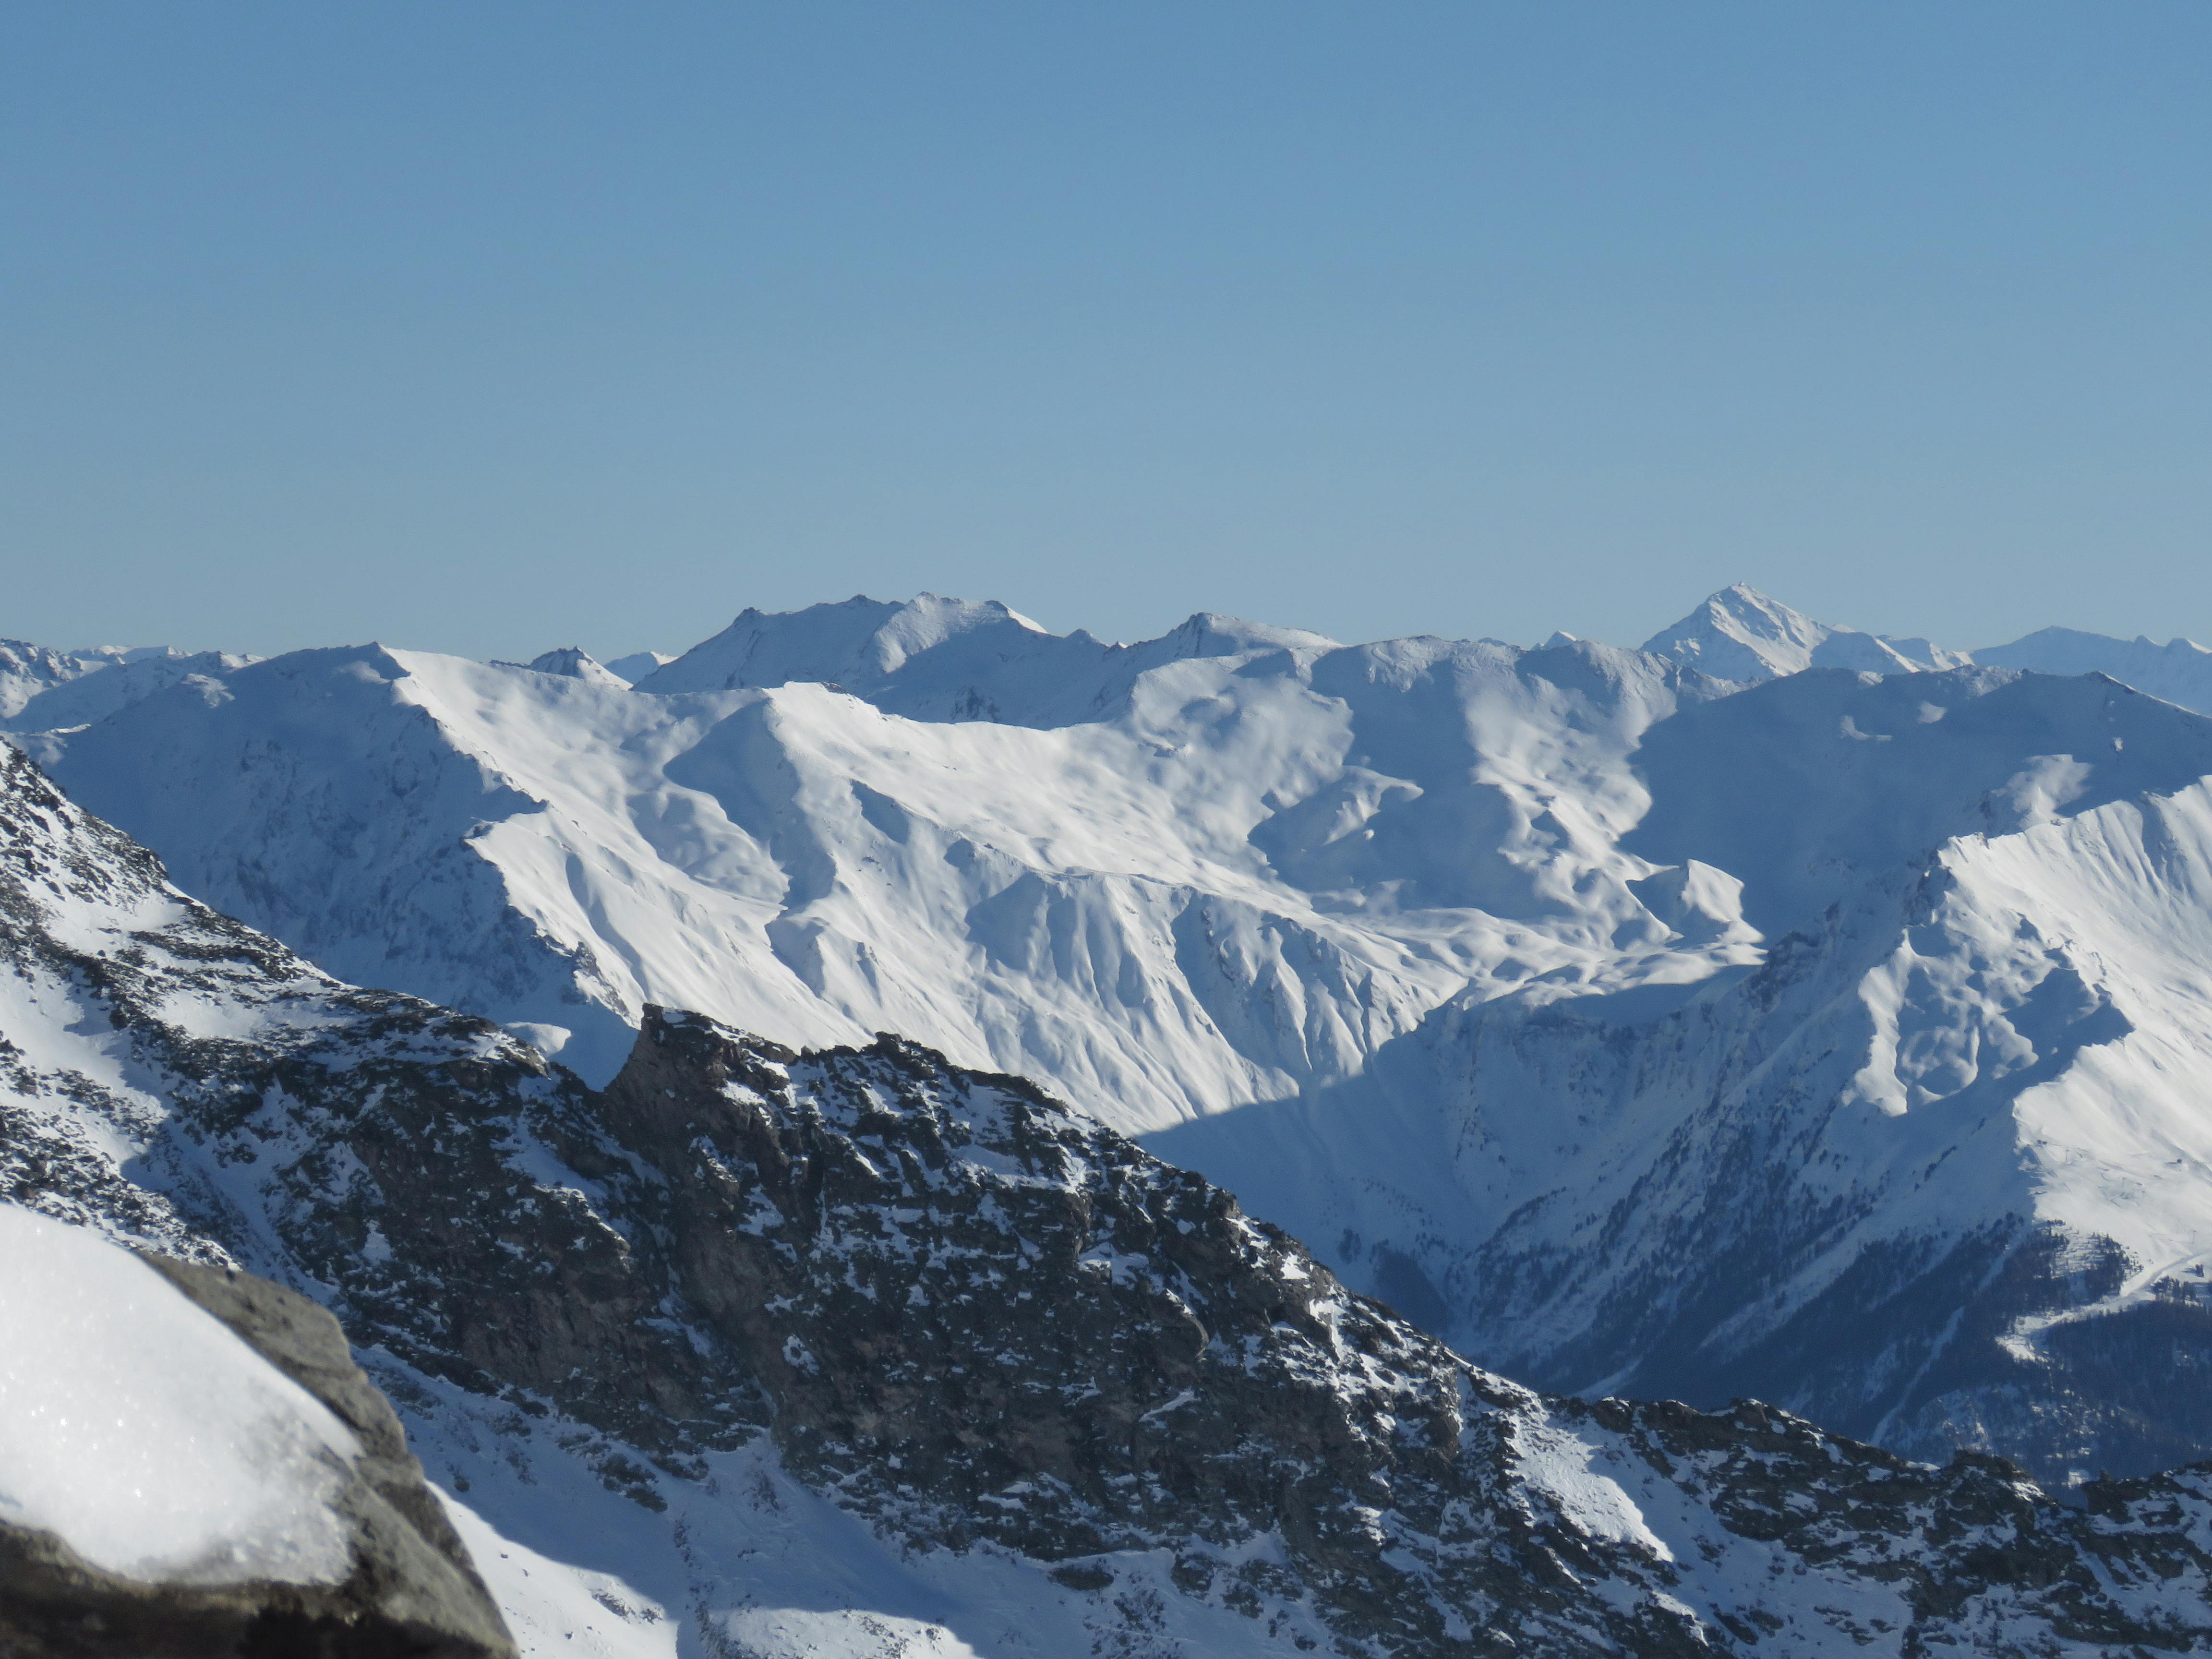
[(980, 1318), (411, 1592)]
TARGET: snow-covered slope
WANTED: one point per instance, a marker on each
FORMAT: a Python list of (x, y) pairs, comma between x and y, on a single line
[(1273, 858), (855, 1352), (1741, 635), (1939, 1169)]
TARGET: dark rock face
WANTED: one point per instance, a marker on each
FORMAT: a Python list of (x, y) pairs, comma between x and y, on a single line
[(979, 1316), (412, 1592), (967, 1312)]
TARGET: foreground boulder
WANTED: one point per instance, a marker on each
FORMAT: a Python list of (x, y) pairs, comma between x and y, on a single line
[(192, 1465)]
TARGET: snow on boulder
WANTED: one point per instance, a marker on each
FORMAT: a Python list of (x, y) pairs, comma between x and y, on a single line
[(154, 1441), (190, 1463)]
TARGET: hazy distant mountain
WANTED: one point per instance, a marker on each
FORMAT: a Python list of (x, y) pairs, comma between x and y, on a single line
[(572, 663), (948, 659), (42, 689), (2180, 671), (637, 664), (1740, 634)]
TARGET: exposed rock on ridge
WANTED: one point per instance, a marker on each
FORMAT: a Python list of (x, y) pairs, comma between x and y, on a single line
[(981, 1317)]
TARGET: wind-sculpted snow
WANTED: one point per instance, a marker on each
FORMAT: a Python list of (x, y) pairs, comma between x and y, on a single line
[(778, 1353)]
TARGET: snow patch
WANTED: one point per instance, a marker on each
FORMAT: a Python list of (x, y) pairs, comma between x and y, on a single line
[(1558, 1464)]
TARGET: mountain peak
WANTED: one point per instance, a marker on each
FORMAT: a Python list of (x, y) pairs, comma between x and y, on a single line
[(573, 663), (1212, 634), (855, 642), (634, 667), (1743, 634)]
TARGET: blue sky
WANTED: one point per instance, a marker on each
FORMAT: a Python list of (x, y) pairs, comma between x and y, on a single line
[(492, 326)]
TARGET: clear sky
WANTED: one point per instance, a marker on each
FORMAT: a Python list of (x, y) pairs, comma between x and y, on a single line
[(490, 327)]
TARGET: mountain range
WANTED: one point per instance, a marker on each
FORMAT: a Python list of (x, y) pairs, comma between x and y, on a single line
[(1775, 1010)]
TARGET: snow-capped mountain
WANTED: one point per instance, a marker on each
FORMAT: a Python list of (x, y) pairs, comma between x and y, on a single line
[(1823, 1034), (574, 663), (637, 664), (1741, 635), (936, 658), (1265, 859), (27, 670), (855, 1352), (2180, 671)]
